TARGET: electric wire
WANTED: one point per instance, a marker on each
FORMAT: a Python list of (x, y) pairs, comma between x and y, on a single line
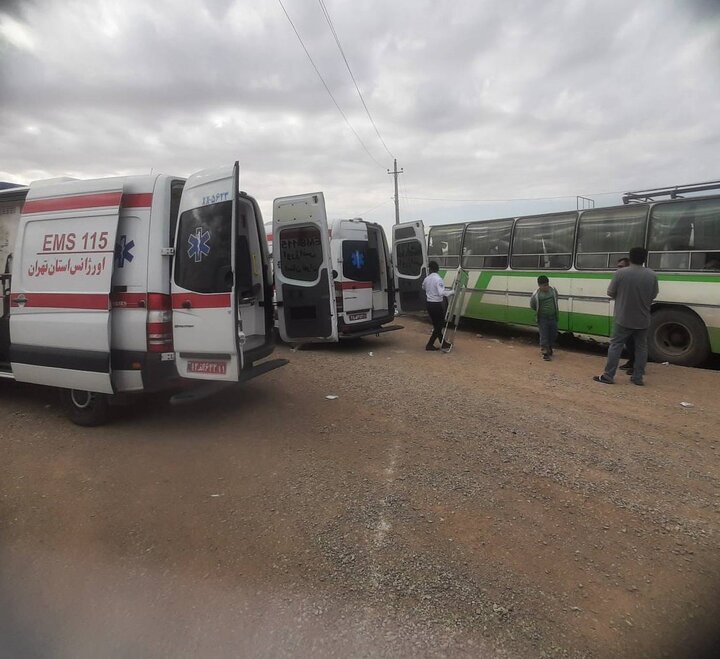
[(594, 194), (326, 13), (347, 121), (370, 210)]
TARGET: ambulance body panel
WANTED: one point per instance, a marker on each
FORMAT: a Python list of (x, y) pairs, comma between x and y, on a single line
[(89, 307), (410, 265), (348, 258)]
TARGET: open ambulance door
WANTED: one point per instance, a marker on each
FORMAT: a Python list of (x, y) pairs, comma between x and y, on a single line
[(60, 294), (409, 265), (206, 333), (304, 285)]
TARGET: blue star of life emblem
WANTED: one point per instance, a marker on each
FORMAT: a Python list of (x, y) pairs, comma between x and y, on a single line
[(358, 259), (123, 251), (198, 244)]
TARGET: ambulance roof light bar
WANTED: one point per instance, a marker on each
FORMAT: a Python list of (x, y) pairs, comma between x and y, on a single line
[(675, 192)]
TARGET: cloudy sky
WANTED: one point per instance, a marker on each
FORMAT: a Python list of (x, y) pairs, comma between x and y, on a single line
[(492, 108)]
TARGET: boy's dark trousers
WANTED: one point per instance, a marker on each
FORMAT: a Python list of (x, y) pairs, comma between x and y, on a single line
[(437, 316), (548, 330)]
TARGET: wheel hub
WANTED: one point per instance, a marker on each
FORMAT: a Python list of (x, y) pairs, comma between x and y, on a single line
[(674, 337)]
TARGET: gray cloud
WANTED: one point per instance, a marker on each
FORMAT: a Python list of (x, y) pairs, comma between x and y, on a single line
[(478, 100)]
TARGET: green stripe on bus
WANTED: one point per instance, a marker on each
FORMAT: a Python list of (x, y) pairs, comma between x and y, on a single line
[(577, 274), (714, 336), (581, 323)]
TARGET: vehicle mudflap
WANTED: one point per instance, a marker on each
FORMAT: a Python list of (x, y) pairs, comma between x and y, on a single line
[(210, 388), (374, 331)]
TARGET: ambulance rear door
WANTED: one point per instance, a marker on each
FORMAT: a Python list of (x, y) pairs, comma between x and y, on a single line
[(409, 265), (208, 345), (302, 264), (60, 295)]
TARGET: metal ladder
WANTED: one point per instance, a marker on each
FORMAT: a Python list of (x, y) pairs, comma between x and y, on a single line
[(452, 315)]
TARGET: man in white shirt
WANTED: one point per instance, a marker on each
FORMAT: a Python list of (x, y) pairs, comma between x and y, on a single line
[(435, 293)]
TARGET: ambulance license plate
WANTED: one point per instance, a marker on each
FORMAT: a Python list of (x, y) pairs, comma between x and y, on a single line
[(358, 316), (210, 368)]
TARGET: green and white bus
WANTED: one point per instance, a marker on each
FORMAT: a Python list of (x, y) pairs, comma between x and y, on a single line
[(579, 250)]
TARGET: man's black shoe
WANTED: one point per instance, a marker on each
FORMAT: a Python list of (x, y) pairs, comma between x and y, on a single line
[(625, 366), (431, 348)]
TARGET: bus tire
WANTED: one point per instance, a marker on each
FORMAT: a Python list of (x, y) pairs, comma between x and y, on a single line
[(677, 336), (86, 408)]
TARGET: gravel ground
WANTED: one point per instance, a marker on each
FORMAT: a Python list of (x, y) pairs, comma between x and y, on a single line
[(477, 503)]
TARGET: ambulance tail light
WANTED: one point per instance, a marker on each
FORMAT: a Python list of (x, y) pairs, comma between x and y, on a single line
[(159, 323)]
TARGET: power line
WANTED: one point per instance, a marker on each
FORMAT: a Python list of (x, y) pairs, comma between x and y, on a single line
[(347, 64), (370, 210), (594, 194), (347, 121)]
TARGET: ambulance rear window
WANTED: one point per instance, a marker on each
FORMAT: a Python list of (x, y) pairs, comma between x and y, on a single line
[(202, 262), (301, 255), (360, 263)]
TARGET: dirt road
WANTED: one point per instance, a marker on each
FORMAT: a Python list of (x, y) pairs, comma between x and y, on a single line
[(481, 503)]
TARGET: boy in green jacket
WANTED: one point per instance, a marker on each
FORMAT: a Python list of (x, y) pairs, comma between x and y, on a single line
[(545, 303)]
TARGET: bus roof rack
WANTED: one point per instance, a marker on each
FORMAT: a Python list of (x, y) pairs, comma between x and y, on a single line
[(675, 192)]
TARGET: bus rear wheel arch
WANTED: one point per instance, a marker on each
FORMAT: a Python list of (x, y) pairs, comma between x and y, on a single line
[(678, 336), (85, 408)]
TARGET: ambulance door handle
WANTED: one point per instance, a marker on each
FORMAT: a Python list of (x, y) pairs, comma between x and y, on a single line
[(186, 304)]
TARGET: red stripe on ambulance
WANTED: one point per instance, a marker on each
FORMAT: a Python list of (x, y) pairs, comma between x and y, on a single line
[(201, 300), (93, 301), (56, 204), (350, 285), (137, 200), (128, 300)]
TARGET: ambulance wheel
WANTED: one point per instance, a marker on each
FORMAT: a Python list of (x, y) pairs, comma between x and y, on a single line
[(86, 408)]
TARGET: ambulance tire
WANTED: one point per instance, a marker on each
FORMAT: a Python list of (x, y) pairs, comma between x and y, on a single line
[(86, 408)]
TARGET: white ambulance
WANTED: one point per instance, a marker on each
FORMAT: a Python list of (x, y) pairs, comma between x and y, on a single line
[(332, 281), (141, 283)]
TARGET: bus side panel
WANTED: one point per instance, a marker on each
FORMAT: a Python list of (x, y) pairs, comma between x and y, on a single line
[(488, 299), (591, 307), (711, 318)]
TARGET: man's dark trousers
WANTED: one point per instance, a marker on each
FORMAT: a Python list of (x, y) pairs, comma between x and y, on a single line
[(437, 316)]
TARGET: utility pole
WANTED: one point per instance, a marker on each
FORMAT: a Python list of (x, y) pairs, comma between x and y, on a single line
[(395, 173)]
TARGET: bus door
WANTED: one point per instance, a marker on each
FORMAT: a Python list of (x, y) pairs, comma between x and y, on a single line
[(61, 278), (206, 333), (409, 265), (304, 285)]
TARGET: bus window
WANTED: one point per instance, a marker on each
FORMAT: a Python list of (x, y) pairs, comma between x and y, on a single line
[(544, 242), (607, 234), (444, 245), (487, 244), (685, 235)]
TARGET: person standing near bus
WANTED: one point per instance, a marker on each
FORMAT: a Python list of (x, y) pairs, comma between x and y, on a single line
[(633, 288), (435, 294), (545, 303), (624, 262)]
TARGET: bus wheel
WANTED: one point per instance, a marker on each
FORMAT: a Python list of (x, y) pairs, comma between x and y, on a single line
[(85, 408), (679, 337)]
